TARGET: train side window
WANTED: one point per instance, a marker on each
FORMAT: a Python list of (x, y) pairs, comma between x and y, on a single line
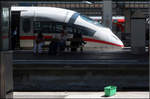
[(88, 32), (46, 27), (85, 31), (70, 30), (36, 26), (59, 28), (26, 25)]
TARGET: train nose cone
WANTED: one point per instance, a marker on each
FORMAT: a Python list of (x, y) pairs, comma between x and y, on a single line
[(107, 37)]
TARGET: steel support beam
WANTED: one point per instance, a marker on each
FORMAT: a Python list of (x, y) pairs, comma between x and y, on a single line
[(6, 75), (107, 13), (127, 14), (138, 32)]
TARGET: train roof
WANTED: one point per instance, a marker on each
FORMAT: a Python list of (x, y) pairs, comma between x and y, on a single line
[(25, 8)]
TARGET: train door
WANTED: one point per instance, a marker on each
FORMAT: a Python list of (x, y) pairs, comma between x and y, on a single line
[(15, 29), (26, 29)]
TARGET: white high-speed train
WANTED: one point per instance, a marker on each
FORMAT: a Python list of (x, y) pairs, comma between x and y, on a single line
[(50, 20)]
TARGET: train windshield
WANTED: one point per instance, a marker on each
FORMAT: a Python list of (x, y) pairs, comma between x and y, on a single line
[(90, 20)]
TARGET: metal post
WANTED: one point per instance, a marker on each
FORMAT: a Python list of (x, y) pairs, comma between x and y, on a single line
[(128, 21), (2, 81), (6, 75), (107, 13), (138, 33)]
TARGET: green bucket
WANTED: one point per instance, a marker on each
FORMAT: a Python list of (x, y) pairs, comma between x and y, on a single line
[(110, 90)]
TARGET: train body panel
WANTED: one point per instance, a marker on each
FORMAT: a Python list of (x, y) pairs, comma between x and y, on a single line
[(93, 31)]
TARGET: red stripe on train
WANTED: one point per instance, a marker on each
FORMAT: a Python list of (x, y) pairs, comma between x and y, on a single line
[(4, 37), (85, 39), (33, 37), (99, 41)]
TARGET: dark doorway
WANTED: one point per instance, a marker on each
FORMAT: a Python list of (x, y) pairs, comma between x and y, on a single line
[(15, 30)]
